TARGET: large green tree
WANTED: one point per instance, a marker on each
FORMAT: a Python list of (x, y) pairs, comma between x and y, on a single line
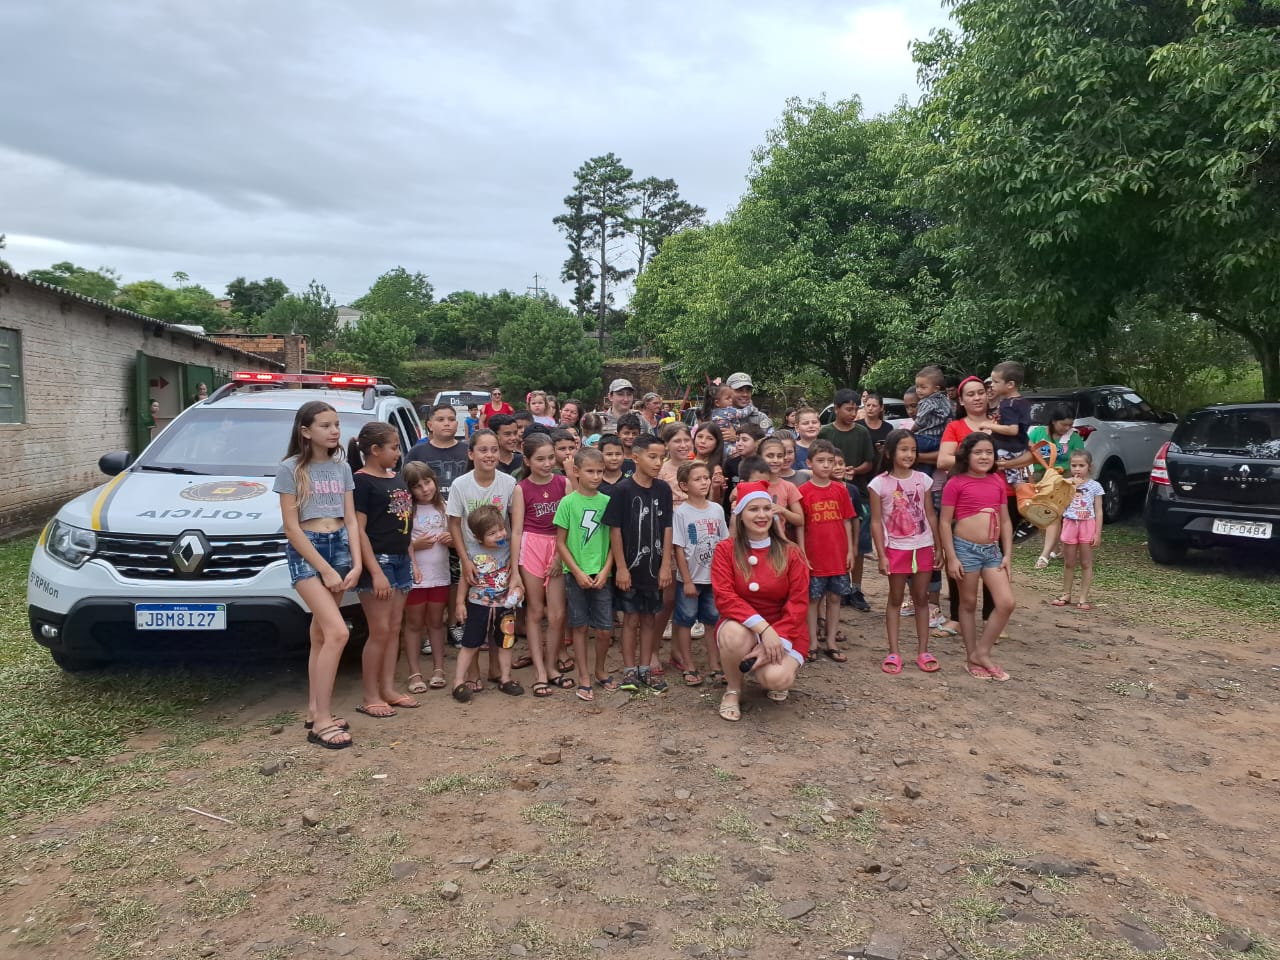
[(100, 284), (404, 297), (576, 270), (186, 303), (381, 342), (253, 298), (1088, 156), (311, 313), (545, 347), (606, 190), (815, 264)]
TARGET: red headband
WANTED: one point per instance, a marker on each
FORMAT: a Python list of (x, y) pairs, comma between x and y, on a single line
[(978, 380)]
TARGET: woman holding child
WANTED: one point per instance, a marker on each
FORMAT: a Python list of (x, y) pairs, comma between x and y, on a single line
[(761, 585)]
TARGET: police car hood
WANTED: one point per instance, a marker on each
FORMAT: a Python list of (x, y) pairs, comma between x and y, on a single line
[(143, 502)]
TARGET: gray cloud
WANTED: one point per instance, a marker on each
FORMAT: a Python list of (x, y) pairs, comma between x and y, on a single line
[(338, 139)]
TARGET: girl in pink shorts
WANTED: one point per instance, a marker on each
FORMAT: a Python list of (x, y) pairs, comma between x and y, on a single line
[(1081, 530), (533, 512), (905, 529)]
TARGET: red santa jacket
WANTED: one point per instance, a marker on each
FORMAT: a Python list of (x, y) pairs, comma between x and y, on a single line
[(782, 599)]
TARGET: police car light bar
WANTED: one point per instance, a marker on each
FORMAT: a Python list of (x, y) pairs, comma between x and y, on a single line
[(325, 379)]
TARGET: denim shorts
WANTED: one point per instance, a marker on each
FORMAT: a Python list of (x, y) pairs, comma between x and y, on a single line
[(977, 556), (396, 567), (588, 608), (839, 585), (692, 609), (332, 547), (642, 600)]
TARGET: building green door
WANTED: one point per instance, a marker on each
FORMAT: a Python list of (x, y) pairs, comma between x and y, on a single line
[(141, 404)]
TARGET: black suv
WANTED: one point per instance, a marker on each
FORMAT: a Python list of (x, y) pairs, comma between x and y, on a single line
[(1216, 482)]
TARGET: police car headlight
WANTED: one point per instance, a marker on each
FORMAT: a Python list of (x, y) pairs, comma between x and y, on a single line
[(72, 545)]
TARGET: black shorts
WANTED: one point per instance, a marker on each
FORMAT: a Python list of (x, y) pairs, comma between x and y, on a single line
[(455, 568), (642, 600), (483, 626), (588, 608)]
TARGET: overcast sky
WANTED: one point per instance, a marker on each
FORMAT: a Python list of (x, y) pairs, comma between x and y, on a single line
[(250, 138)]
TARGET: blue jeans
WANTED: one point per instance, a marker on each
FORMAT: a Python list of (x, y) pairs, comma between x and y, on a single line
[(333, 549), (396, 567), (700, 608), (977, 556)]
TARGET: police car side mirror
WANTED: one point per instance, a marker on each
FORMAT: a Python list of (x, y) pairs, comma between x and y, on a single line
[(115, 462)]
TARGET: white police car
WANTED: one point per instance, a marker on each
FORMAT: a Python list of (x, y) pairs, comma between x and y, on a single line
[(184, 548)]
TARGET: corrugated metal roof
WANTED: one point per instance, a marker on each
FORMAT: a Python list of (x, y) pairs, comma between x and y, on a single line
[(6, 274)]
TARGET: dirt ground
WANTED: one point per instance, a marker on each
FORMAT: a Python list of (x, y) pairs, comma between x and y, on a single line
[(1117, 798)]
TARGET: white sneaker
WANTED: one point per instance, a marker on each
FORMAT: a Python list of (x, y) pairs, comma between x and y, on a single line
[(426, 647), (697, 630)]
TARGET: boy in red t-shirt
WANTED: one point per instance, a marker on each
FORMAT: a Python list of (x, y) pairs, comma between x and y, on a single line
[(827, 539)]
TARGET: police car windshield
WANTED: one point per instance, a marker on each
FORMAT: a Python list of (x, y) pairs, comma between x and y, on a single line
[(231, 441)]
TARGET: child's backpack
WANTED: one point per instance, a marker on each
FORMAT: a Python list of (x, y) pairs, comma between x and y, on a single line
[(1044, 501)]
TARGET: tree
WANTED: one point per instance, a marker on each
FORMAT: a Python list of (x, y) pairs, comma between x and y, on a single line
[(544, 347), (1089, 156), (403, 296), (815, 264), (100, 284), (660, 213), (577, 267), (311, 313), (599, 219), (253, 298), (192, 305), (381, 342)]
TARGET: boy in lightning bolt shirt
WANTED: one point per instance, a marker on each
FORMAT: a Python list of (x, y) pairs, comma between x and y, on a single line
[(582, 541)]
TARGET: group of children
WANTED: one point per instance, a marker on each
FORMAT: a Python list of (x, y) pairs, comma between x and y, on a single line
[(524, 529)]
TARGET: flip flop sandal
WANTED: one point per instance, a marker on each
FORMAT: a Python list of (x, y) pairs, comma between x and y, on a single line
[(1084, 605), (977, 672), (324, 737), (717, 676), (657, 671), (462, 693), (511, 688), (998, 674), (541, 689), (836, 655), (477, 686), (928, 662), (730, 710), (338, 721), (379, 711), (437, 680), (609, 683), (561, 681), (519, 663), (942, 632), (777, 696), (406, 701), (1041, 562), (1060, 602), (417, 686), (841, 638), (892, 664), (692, 678), (585, 694), (811, 657), (566, 665)]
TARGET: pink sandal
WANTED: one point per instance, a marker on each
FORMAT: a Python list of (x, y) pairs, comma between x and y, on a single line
[(928, 662), (892, 664)]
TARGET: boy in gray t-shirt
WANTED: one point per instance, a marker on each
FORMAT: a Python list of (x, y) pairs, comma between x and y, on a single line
[(330, 481)]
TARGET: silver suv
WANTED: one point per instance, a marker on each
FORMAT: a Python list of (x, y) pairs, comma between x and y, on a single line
[(184, 547), (1121, 430)]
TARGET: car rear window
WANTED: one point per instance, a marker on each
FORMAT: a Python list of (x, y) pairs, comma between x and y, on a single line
[(1042, 408), (1253, 433)]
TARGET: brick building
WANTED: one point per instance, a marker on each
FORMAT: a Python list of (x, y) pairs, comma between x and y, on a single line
[(76, 380)]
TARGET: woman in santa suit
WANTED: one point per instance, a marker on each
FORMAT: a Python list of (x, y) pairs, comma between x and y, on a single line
[(761, 585)]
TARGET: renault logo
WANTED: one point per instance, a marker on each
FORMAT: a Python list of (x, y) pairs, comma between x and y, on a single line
[(189, 551)]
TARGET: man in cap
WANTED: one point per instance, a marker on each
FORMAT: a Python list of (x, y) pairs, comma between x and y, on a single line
[(744, 410), (622, 394)]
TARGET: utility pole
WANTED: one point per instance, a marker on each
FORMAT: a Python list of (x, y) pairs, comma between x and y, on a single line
[(537, 290)]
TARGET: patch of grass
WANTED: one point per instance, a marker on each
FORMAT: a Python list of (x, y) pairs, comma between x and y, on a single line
[(756, 913), (810, 791), (369, 869), (123, 923), (61, 730), (724, 776), (1131, 688), (736, 823), (1243, 582), (463, 783), (696, 872), (217, 905), (315, 924), (545, 814)]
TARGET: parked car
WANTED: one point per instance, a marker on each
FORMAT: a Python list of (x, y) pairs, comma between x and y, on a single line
[(894, 411), (1120, 429), (460, 400), (184, 547), (1216, 482)]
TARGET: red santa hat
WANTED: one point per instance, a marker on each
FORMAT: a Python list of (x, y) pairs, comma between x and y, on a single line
[(751, 490)]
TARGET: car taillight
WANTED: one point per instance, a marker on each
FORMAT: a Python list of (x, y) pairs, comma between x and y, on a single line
[(1160, 468), (1085, 431)]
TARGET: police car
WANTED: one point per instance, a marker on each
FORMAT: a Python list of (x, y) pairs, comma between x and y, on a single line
[(184, 548)]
